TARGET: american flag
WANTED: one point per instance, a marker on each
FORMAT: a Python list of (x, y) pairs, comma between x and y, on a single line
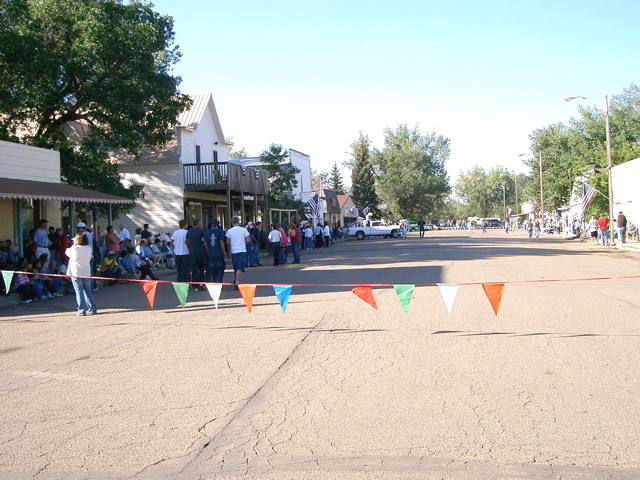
[(313, 205), (365, 212), (588, 192)]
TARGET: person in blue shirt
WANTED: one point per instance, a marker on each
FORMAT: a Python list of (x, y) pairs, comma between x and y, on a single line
[(214, 242)]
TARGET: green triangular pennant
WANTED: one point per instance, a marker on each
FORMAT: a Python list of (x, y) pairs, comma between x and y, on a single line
[(7, 276), (404, 293), (182, 290)]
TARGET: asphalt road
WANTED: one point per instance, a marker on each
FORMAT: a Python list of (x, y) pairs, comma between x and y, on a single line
[(334, 389)]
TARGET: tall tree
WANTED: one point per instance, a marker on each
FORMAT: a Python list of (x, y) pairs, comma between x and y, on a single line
[(578, 150), (363, 184), (67, 65), (334, 181), (481, 193), (411, 179), (282, 174)]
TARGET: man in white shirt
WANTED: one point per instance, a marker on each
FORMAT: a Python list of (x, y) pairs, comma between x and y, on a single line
[(181, 251), (237, 239), (124, 233)]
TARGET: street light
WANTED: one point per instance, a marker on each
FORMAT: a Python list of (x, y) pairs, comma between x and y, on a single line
[(515, 181), (504, 202), (569, 98)]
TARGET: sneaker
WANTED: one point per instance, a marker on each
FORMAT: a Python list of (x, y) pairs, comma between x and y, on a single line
[(197, 289), (147, 278), (92, 312), (58, 295), (26, 301)]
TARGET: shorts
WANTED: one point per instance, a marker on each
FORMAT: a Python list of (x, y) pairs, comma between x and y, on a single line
[(594, 234), (239, 261)]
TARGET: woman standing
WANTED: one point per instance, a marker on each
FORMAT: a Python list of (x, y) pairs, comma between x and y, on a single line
[(80, 266), (112, 240)]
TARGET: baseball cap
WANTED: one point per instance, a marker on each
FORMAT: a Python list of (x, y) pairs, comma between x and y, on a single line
[(111, 252), (81, 225)]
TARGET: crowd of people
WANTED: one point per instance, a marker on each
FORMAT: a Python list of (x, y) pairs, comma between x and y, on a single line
[(198, 255), (106, 254)]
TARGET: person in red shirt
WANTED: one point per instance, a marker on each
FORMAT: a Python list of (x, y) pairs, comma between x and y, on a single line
[(63, 244), (603, 230), (294, 235)]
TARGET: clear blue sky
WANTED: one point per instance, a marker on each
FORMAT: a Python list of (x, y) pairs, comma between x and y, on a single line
[(311, 74)]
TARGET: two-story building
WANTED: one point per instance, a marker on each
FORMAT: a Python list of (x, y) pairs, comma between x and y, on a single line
[(191, 177)]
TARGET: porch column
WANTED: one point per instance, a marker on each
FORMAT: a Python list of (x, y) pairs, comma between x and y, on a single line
[(18, 226)]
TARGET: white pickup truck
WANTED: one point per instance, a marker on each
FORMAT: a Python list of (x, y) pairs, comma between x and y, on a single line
[(377, 228)]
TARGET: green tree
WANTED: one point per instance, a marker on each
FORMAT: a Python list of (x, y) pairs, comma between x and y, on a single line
[(68, 65), (481, 193), (282, 174), (334, 181), (411, 179), (363, 183), (233, 153), (578, 150)]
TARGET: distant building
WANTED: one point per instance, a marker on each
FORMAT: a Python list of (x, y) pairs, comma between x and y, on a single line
[(626, 196), (300, 160)]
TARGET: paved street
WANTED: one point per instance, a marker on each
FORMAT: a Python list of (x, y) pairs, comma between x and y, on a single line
[(548, 389)]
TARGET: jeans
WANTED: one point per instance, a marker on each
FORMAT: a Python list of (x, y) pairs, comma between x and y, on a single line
[(84, 295), (254, 251), (604, 235), (196, 264), (182, 265), (283, 254), (109, 273), (307, 243), (215, 269), (275, 247), (295, 248)]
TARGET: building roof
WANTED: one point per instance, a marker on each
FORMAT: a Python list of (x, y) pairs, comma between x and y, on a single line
[(342, 199), (192, 117), (58, 192), (246, 161), (331, 197)]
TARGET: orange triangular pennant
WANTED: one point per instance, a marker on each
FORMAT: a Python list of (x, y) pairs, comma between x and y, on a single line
[(248, 292), (150, 291), (366, 294), (494, 294)]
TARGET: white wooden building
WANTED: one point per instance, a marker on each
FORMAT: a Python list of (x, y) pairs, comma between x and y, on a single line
[(191, 177)]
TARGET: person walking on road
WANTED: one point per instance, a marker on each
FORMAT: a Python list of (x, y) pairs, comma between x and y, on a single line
[(237, 239)]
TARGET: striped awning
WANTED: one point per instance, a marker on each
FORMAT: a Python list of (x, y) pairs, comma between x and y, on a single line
[(58, 192)]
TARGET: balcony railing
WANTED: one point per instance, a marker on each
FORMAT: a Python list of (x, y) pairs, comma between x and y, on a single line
[(220, 176)]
